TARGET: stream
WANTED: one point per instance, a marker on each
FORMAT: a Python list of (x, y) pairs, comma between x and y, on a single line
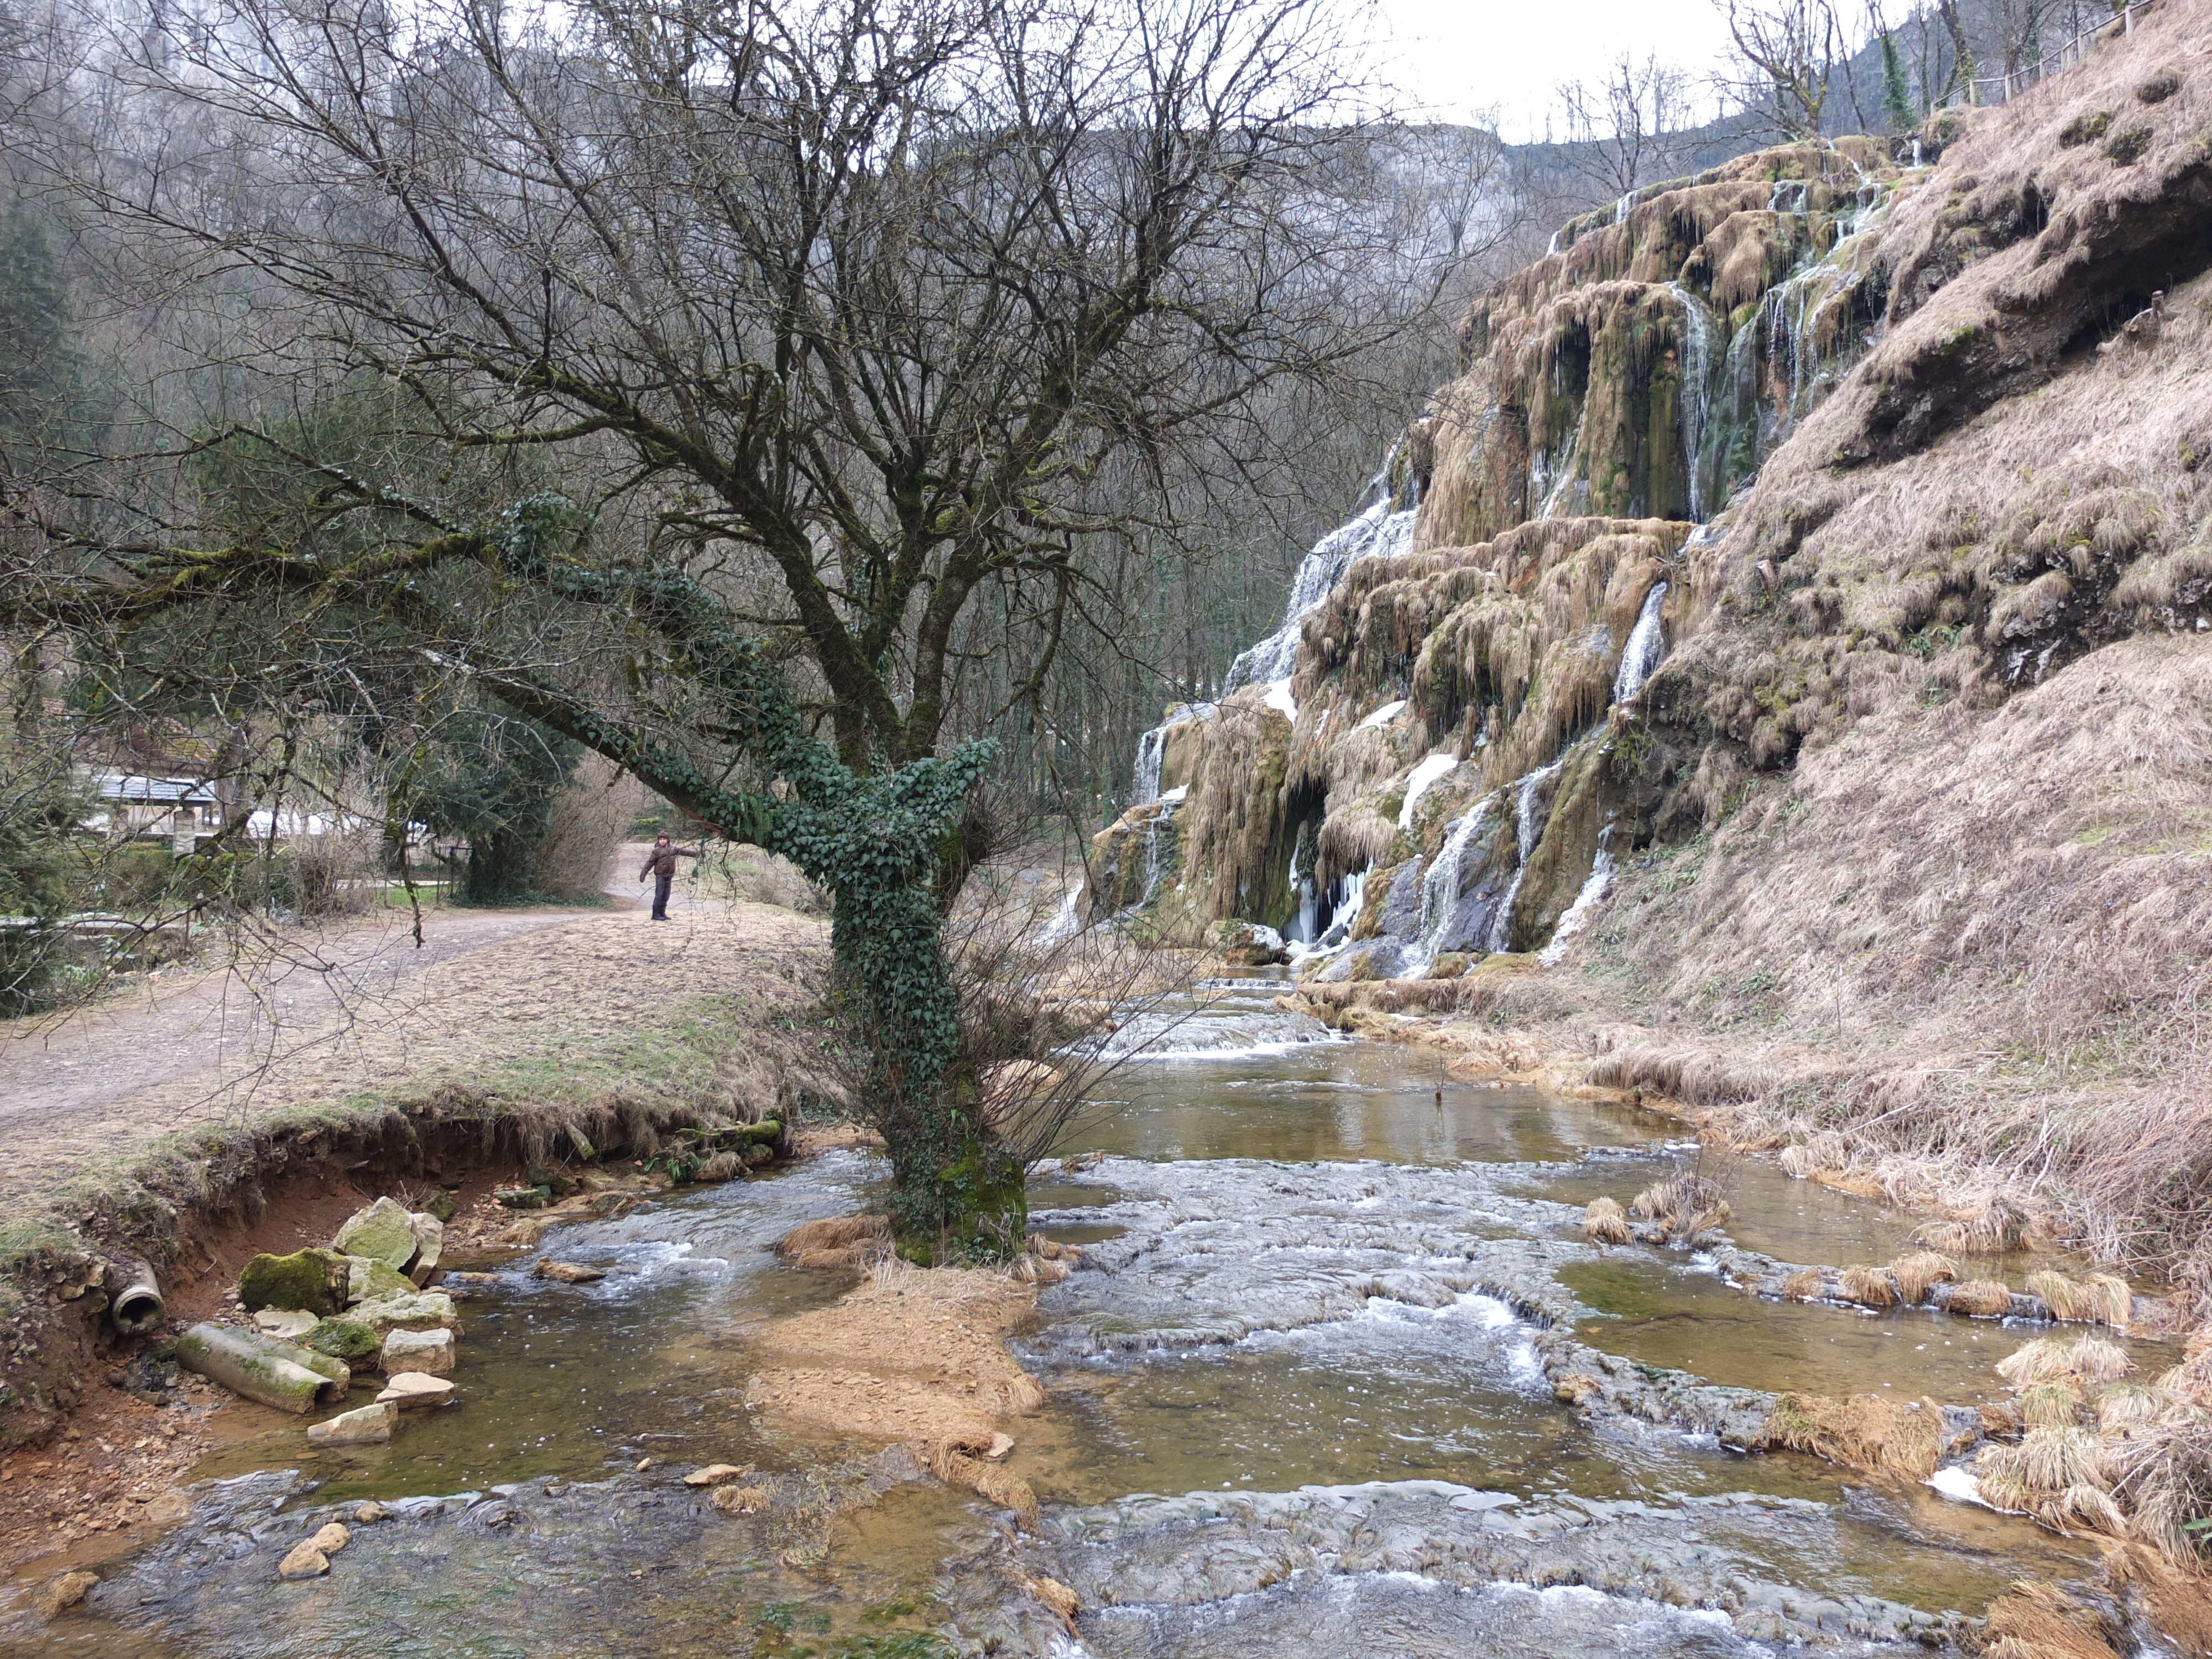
[(1295, 1408)]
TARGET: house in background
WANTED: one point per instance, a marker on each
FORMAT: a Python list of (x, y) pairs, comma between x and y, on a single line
[(176, 809)]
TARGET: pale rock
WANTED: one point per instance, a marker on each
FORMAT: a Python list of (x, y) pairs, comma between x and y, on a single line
[(303, 1560), (412, 1388), (371, 1425), (367, 1514), (418, 1351), (166, 1508), (285, 1324), (384, 1231), (715, 1474), (58, 1594), (430, 1243), (567, 1272), (332, 1538), (419, 1310), (1001, 1444), (741, 1500), (371, 1279)]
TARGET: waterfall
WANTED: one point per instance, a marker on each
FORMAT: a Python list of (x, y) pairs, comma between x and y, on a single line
[(1064, 922), (1440, 886), (1525, 832), (1153, 747), (1578, 913), (1647, 643), (1376, 533), (1620, 208), (1695, 404)]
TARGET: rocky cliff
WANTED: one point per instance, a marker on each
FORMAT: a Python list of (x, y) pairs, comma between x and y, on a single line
[(1743, 461)]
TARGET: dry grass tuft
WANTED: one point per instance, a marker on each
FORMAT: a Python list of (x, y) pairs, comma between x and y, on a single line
[(1654, 1202), (2164, 1477), (954, 1465), (2036, 1621), (1950, 1237), (2050, 1358), (1687, 1205), (1916, 1274), (1796, 1162), (2053, 1405), (1998, 1421), (1870, 1287), (2055, 1457), (2122, 1407), (832, 1233), (2100, 1299), (1865, 1433), (1979, 1298), (1605, 1222), (1803, 1285)]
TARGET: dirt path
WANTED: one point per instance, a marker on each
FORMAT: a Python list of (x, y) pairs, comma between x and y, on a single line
[(548, 1001)]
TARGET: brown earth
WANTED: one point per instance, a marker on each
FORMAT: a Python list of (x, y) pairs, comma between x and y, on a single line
[(909, 1354)]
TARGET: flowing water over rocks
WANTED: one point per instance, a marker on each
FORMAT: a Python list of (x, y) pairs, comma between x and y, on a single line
[(1302, 1401)]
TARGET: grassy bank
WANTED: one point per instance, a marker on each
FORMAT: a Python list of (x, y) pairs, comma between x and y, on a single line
[(578, 1043)]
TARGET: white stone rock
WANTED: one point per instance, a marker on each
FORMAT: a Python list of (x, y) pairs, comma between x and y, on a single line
[(418, 1351)]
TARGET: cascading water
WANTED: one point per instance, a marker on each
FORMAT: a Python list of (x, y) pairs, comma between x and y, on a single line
[(1647, 643), (1153, 747), (1440, 887), (1377, 532), (1695, 404), (1526, 831)]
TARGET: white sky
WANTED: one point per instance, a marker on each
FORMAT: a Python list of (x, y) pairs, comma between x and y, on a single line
[(1463, 58)]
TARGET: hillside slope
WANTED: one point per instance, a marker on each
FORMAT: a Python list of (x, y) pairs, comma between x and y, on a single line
[(1876, 806)]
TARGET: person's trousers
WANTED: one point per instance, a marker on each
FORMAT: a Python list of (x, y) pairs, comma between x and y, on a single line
[(660, 886)]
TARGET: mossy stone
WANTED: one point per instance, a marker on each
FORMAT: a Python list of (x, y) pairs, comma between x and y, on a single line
[(349, 1339), (369, 1279), (440, 1204), (382, 1232), (313, 1279)]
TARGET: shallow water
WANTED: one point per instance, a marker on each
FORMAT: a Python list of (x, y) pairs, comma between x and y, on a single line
[(1305, 1324)]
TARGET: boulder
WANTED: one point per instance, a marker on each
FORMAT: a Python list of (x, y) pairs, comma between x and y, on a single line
[(287, 1325), (522, 1198), (567, 1272), (415, 1388), (419, 1310), (303, 1560), (370, 1279), (439, 1206), (429, 1351), (371, 1425), (344, 1339), (430, 1243), (332, 1538), (383, 1232), (312, 1279)]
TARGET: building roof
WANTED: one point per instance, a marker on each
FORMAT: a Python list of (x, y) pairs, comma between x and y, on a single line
[(121, 786)]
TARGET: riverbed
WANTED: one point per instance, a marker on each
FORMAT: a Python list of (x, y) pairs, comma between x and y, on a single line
[(1295, 1407)]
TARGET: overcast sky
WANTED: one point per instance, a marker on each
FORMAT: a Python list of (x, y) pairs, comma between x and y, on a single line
[(1465, 58)]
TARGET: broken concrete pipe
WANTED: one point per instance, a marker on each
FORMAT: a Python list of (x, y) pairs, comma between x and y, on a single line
[(262, 1370), (137, 1306)]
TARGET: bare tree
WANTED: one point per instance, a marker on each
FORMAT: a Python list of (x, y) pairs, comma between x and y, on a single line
[(1621, 125), (781, 334), (1783, 58)]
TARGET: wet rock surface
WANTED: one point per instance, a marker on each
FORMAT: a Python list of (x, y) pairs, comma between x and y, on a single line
[(1447, 1569)]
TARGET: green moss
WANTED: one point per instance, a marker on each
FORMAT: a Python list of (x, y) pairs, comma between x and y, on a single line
[(368, 1279), (312, 1279), (343, 1339)]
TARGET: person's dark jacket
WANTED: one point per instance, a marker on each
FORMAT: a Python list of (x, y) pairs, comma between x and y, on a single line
[(661, 861)]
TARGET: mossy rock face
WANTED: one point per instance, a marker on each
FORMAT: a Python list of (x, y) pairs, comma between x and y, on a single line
[(349, 1339), (368, 1279), (382, 1232), (440, 1204), (315, 1279), (523, 1198)]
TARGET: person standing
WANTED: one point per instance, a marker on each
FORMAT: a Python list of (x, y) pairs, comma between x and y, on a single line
[(660, 864)]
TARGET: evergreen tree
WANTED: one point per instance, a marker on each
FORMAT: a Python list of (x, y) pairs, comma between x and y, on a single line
[(1896, 91)]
